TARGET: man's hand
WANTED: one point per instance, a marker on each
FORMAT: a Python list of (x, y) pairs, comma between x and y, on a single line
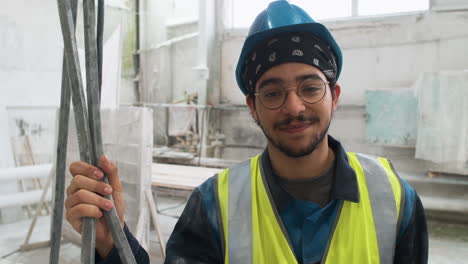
[(84, 200)]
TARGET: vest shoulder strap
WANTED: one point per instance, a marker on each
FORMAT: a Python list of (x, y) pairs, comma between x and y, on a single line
[(385, 195), (235, 192)]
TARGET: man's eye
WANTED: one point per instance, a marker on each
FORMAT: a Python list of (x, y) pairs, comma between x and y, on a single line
[(311, 90), (272, 94)]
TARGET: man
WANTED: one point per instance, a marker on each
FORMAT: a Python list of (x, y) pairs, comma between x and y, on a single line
[(304, 200)]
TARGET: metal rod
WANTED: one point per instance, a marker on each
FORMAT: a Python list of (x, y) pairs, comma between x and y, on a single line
[(92, 86), (92, 72), (74, 73), (79, 107), (64, 116), (100, 38), (89, 232)]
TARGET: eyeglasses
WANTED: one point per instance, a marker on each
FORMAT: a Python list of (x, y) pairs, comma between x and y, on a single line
[(273, 95)]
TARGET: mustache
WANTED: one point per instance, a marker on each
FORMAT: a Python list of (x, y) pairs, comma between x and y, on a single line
[(299, 118)]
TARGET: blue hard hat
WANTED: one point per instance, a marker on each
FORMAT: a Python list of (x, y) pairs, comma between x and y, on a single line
[(281, 17)]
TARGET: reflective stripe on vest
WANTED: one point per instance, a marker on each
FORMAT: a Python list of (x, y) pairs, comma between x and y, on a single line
[(364, 232), (256, 236)]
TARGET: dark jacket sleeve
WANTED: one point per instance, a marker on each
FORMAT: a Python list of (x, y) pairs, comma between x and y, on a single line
[(193, 239), (141, 256), (412, 247)]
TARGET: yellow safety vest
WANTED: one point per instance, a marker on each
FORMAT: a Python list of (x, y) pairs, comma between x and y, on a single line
[(364, 233)]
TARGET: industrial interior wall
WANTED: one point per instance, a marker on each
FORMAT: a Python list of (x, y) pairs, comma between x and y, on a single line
[(380, 53)]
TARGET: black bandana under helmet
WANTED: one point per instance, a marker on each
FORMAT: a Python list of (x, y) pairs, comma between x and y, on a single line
[(290, 47)]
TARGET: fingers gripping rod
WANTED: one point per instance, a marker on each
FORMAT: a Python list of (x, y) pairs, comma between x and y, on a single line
[(89, 134)]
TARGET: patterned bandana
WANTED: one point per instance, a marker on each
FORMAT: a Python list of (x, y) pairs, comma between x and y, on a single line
[(291, 47)]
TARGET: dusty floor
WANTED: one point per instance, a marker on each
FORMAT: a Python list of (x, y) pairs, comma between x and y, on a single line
[(448, 242)]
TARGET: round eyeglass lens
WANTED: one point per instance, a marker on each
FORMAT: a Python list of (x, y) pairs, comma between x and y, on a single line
[(310, 90)]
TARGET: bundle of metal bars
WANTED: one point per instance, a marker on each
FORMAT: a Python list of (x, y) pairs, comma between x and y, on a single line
[(88, 124)]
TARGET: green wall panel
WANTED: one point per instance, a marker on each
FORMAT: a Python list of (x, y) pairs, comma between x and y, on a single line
[(391, 117)]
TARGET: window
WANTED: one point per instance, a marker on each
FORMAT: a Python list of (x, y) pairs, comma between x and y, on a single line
[(372, 7), (327, 9), (243, 12)]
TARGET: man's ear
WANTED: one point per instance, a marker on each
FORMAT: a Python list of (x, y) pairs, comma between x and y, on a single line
[(336, 96), (251, 103)]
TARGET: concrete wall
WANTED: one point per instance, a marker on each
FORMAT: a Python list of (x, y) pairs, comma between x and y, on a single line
[(379, 53), (387, 52)]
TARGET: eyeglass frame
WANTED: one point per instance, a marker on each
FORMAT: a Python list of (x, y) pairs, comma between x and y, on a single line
[(314, 76)]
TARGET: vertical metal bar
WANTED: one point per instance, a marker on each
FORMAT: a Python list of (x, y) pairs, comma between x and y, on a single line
[(100, 38), (79, 107), (74, 73), (92, 70), (92, 84), (88, 235), (64, 114)]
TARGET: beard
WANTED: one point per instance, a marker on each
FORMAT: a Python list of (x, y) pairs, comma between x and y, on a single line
[(301, 152)]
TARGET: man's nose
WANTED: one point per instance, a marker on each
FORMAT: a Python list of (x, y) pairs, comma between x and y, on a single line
[(294, 104)]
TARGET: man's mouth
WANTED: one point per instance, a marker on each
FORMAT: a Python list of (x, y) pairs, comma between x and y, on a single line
[(295, 128), (296, 125)]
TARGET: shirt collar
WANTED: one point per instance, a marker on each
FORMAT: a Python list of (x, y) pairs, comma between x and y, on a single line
[(344, 186)]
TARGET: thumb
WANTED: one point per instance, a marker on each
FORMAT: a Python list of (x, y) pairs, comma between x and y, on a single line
[(111, 171)]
